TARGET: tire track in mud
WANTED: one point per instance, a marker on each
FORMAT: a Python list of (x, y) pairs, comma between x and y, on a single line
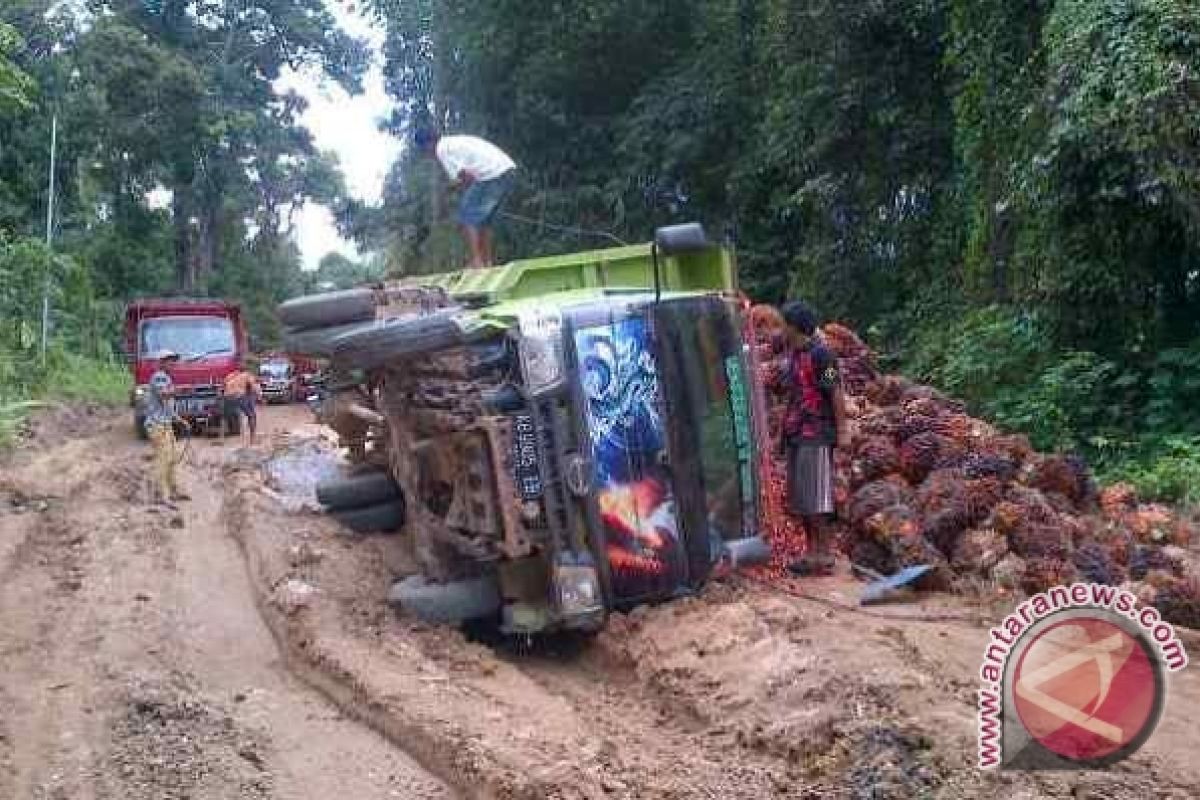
[(129, 667)]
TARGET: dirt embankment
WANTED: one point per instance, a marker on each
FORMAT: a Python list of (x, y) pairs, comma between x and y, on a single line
[(742, 692)]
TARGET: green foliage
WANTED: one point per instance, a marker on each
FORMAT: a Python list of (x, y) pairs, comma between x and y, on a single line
[(16, 87), (1165, 469), (75, 378), (12, 415)]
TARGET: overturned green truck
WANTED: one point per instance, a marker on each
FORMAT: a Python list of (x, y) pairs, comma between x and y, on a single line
[(564, 435)]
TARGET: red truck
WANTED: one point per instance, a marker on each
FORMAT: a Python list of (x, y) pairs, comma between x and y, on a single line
[(210, 338)]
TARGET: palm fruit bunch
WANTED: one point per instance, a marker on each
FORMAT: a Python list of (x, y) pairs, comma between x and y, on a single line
[(1158, 524), (875, 497), (1095, 564), (914, 424), (1118, 499), (1043, 573), (881, 422), (1065, 476), (1179, 602), (887, 390), (874, 555), (893, 523), (978, 551), (1015, 447), (1117, 541), (915, 550), (942, 501), (925, 452), (1009, 572), (1145, 559), (874, 457), (958, 427), (982, 464)]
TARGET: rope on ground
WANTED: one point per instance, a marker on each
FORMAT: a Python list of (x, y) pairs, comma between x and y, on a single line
[(856, 609), (562, 228)]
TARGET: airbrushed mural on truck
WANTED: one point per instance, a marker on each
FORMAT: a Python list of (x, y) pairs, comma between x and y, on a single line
[(556, 437)]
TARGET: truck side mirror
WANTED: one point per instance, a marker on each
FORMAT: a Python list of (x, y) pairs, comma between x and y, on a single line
[(686, 238)]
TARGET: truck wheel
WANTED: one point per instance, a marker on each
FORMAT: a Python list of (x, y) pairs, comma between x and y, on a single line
[(139, 425), (446, 603), (357, 491), (318, 342), (402, 337), (328, 308), (381, 518)]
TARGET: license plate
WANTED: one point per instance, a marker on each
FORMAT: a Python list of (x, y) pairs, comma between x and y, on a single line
[(193, 406), (525, 458)]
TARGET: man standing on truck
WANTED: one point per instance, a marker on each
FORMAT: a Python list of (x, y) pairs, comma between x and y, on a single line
[(240, 396), (160, 427), (815, 423), (486, 174)]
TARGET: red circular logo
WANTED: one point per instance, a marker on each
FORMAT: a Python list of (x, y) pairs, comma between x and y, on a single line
[(1086, 689)]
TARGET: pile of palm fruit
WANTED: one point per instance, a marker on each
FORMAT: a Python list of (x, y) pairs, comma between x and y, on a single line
[(922, 482)]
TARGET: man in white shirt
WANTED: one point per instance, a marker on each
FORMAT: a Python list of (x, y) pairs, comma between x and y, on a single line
[(486, 174)]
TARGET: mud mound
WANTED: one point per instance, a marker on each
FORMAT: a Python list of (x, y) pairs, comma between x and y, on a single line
[(167, 745), (923, 482)]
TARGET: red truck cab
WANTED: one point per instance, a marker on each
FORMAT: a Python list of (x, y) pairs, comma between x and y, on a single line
[(210, 338)]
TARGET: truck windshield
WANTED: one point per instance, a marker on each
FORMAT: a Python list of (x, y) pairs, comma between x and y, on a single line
[(275, 369), (188, 336), (712, 403)]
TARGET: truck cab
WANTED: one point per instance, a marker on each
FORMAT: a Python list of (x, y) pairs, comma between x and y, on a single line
[(571, 435), (210, 339)]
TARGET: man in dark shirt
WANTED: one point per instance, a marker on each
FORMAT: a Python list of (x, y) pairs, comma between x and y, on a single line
[(814, 424)]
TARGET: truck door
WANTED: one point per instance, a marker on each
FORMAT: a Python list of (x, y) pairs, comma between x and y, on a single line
[(617, 365)]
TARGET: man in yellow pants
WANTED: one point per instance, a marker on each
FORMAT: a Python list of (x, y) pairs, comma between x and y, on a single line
[(160, 427)]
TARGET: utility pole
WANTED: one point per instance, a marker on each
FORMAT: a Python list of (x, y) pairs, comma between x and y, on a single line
[(49, 237)]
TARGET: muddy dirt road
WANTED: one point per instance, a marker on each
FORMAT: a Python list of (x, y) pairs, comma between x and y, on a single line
[(243, 649), (133, 661)]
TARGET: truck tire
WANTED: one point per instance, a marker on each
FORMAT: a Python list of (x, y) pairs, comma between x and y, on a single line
[(380, 518), (685, 238), (446, 603), (328, 308), (399, 338), (357, 491), (139, 425), (319, 341)]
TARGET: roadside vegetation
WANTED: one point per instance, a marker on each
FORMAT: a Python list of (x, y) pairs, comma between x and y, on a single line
[(1003, 196)]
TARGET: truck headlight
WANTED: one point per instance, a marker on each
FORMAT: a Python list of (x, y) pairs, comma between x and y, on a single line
[(139, 392), (541, 349), (578, 587)]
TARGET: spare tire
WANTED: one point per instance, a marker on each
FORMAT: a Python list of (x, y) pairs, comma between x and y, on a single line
[(357, 491), (328, 308), (319, 341), (399, 338), (381, 518), (446, 603)]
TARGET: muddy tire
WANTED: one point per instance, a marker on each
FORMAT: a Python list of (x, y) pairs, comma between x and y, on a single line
[(446, 603), (139, 425), (329, 308), (357, 491), (400, 338), (381, 518), (319, 342)]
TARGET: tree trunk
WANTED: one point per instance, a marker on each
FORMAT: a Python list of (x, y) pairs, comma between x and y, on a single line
[(210, 238), (185, 265)]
